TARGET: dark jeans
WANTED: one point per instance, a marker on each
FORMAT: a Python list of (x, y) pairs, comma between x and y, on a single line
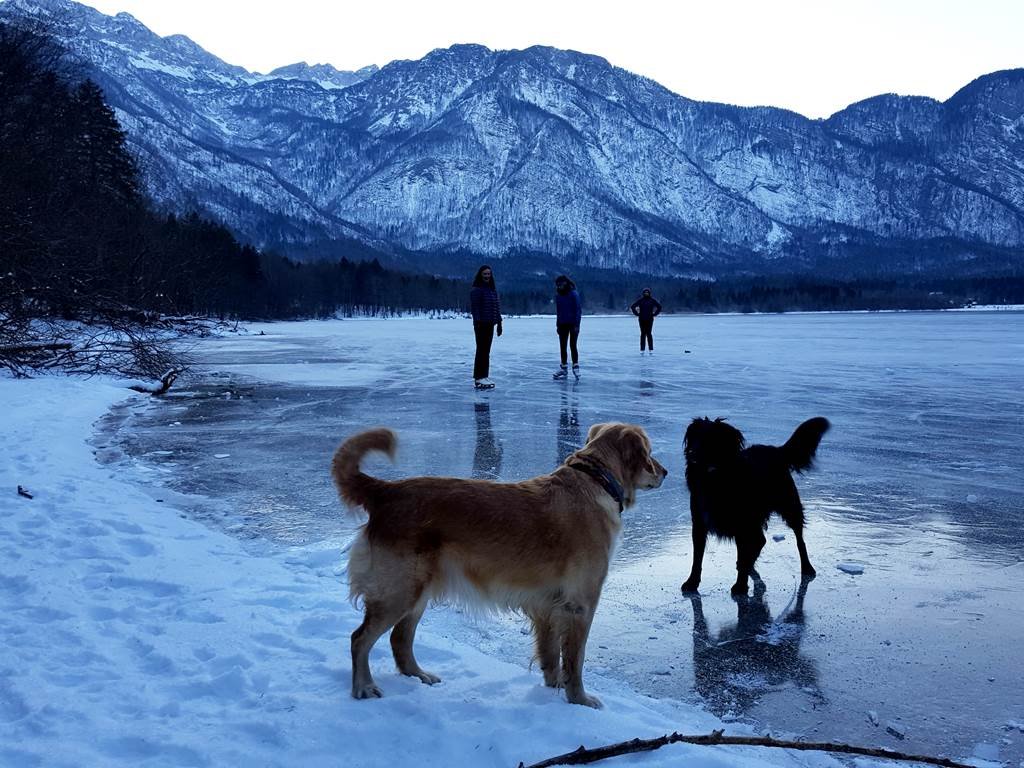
[(484, 333), (567, 332), (645, 334)]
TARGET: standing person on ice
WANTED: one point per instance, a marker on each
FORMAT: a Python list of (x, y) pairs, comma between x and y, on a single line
[(569, 312), (646, 308), (486, 309)]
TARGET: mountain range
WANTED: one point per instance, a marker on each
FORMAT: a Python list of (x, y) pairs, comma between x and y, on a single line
[(557, 155)]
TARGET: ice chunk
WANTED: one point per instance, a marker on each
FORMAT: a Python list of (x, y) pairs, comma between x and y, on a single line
[(987, 752), (873, 717), (221, 455), (851, 568)]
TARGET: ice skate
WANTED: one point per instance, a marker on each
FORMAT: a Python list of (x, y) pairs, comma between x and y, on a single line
[(576, 371), (561, 373), (483, 384)]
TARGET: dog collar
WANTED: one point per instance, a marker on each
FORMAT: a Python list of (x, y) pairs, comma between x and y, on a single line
[(605, 478)]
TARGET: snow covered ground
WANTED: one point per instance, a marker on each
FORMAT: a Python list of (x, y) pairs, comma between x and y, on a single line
[(173, 594), (132, 635)]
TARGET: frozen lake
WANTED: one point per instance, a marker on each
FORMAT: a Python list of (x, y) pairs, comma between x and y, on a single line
[(919, 482)]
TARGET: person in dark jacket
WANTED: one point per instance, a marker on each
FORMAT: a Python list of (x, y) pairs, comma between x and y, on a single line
[(646, 308), (486, 309), (569, 312)]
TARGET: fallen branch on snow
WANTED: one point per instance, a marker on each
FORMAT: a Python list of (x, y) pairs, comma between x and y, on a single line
[(583, 756), (165, 383)]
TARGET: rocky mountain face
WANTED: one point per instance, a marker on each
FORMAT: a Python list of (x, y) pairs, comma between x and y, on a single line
[(552, 152)]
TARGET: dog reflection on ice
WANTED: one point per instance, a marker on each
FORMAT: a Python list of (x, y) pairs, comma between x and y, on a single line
[(745, 660)]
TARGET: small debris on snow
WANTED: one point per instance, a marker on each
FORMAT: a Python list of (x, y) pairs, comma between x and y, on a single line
[(896, 730), (221, 455), (23, 492), (779, 537), (852, 568), (662, 672), (873, 717)]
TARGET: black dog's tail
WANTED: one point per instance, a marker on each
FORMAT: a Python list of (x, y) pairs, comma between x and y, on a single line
[(799, 450)]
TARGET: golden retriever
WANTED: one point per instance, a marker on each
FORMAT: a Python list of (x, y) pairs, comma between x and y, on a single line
[(541, 546)]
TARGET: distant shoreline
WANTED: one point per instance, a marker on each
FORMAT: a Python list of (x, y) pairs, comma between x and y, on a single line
[(415, 315)]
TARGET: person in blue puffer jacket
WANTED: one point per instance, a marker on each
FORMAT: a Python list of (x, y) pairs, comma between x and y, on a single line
[(569, 312)]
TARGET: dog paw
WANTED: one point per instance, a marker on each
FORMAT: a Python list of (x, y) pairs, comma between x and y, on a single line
[(366, 691), (738, 590), (689, 587), (587, 701), (808, 573), (427, 678)]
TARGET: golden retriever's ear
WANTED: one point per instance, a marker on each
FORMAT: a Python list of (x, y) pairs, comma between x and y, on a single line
[(636, 451), (594, 430)]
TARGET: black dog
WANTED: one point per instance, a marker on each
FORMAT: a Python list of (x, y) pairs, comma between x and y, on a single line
[(734, 490)]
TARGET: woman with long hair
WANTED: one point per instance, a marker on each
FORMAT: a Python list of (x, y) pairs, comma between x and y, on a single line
[(568, 313), (486, 310)]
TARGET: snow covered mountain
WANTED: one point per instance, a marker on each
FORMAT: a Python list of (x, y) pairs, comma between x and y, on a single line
[(545, 151)]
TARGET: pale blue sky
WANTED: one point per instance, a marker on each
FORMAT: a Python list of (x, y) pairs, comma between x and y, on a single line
[(812, 57)]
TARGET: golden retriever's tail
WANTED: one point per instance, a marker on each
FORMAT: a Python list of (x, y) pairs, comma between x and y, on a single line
[(355, 487), (799, 450)]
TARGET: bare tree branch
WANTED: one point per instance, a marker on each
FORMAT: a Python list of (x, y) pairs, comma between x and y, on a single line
[(584, 756)]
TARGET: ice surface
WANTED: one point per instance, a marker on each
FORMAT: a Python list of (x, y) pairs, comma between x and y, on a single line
[(925, 412)]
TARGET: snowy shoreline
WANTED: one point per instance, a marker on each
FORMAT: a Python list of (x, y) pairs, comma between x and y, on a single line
[(132, 635)]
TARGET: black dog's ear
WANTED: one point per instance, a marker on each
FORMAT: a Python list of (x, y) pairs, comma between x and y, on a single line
[(711, 442)]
